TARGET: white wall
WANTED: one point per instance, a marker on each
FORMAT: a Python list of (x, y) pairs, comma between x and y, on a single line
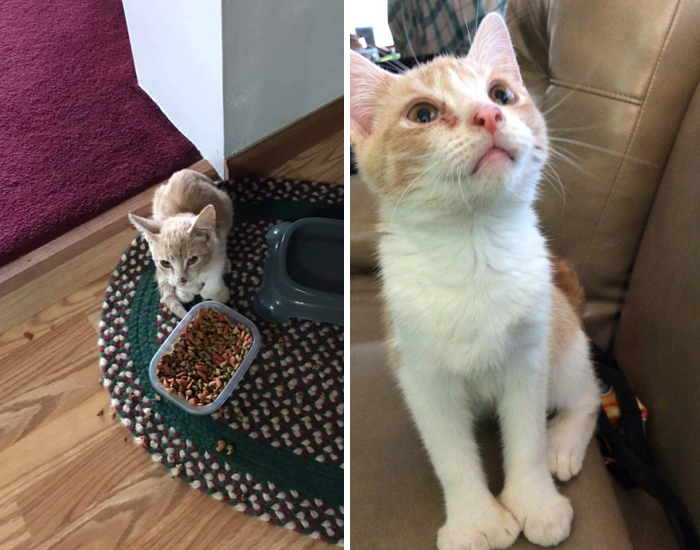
[(229, 73), (282, 60), (176, 45), (370, 13)]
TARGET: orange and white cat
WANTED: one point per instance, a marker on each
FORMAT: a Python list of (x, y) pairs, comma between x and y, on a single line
[(187, 238), (455, 149)]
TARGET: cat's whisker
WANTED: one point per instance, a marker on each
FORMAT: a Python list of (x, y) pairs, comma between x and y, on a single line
[(405, 30), (558, 103), (599, 149), (461, 190), (547, 173), (558, 154), (570, 156), (571, 91), (466, 23), (576, 128)]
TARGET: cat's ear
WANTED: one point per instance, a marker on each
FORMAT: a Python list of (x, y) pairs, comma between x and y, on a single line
[(492, 46), (206, 219), (149, 228), (368, 87)]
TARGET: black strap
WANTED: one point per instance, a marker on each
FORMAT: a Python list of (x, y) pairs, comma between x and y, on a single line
[(630, 417), (631, 451)]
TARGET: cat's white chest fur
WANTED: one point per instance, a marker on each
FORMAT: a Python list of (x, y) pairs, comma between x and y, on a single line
[(465, 294)]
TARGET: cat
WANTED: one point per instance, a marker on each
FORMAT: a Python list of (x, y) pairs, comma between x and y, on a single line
[(454, 149), (187, 238)]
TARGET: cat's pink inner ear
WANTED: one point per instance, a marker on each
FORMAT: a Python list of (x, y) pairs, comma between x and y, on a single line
[(492, 46), (368, 85), (150, 228), (206, 218)]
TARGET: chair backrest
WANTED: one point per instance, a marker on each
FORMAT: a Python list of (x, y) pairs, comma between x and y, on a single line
[(618, 78)]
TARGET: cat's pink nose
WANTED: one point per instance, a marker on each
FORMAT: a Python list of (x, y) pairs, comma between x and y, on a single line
[(182, 280), (488, 116)]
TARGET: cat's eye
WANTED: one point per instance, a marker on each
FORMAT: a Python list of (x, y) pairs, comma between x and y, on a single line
[(501, 94), (192, 260), (423, 113), (165, 263)]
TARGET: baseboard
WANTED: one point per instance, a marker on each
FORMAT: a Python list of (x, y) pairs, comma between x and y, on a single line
[(266, 155), (259, 159)]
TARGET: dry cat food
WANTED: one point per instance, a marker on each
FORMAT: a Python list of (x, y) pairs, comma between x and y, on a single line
[(204, 358)]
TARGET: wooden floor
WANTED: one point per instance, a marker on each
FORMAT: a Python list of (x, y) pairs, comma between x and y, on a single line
[(70, 479)]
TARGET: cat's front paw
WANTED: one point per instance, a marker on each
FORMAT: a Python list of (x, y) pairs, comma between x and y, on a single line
[(490, 527), (544, 515), (220, 294), (565, 450)]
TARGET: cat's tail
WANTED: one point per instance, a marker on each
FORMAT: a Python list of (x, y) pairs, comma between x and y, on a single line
[(566, 280)]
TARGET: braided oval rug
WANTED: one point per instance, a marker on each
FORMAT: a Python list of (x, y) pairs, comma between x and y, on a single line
[(285, 419)]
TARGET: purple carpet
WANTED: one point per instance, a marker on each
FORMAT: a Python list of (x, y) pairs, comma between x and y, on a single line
[(77, 135)]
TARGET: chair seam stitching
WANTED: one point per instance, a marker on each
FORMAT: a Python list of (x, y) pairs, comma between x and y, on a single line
[(598, 91)]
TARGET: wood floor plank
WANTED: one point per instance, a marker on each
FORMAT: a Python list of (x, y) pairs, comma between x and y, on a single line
[(42, 381), (323, 162), (92, 264), (108, 469), (112, 522), (42, 452), (217, 526), (86, 301), (14, 534)]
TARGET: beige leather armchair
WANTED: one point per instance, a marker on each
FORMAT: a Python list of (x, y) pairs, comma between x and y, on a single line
[(621, 77)]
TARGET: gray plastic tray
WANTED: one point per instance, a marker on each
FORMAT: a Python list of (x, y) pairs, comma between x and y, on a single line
[(303, 274), (238, 375)]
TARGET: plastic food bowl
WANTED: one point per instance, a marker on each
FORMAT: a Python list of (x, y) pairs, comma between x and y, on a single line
[(235, 379), (303, 275)]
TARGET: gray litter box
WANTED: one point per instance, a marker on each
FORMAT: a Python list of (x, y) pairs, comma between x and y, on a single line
[(303, 275)]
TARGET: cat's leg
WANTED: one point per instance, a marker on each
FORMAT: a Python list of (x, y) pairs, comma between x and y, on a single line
[(439, 404), (215, 289), (186, 297), (529, 492), (574, 393), (223, 245), (214, 285), (169, 297)]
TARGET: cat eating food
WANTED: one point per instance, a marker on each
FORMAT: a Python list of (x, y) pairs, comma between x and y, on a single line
[(187, 237), (455, 149)]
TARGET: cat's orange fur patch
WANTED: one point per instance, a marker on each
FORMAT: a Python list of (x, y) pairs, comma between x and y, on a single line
[(566, 279), (567, 305)]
